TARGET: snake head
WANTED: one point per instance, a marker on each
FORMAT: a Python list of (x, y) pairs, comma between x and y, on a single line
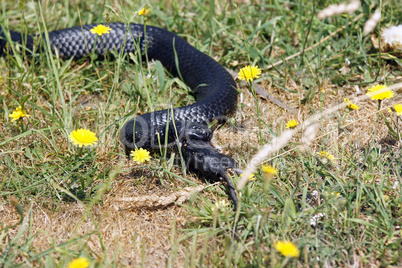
[(201, 157), (195, 132)]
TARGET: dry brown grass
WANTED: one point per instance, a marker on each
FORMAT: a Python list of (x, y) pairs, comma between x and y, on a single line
[(145, 211), (124, 230)]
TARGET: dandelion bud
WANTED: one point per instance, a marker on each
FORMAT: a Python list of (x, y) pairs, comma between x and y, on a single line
[(107, 16), (21, 5)]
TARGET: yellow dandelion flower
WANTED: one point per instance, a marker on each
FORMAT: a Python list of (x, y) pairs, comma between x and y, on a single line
[(292, 123), (249, 73), (250, 178), (143, 11), (398, 109), (379, 92), (1, 80), (326, 155), (79, 263), (83, 137), (100, 29), (140, 155), (335, 194), (18, 113), (351, 105), (287, 249), (269, 170)]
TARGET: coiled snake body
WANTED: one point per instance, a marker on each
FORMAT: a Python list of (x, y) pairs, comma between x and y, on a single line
[(186, 127)]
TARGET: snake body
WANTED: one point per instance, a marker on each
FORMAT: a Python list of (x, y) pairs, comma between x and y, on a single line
[(186, 127)]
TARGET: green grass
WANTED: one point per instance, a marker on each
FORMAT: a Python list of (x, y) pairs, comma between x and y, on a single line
[(40, 167)]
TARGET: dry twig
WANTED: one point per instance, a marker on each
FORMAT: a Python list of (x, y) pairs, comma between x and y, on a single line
[(158, 201)]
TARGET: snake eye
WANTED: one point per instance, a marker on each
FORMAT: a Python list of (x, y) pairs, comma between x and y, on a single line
[(197, 132)]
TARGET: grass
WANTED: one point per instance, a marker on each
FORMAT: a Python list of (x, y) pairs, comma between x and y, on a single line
[(59, 202)]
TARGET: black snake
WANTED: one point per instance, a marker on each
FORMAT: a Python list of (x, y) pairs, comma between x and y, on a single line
[(186, 127)]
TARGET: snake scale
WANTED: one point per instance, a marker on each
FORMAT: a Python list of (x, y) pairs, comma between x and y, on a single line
[(182, 128)]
